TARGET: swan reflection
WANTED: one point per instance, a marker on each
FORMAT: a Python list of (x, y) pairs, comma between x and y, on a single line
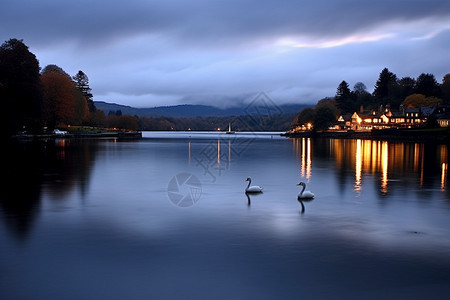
[(301, 200), (249, 201)]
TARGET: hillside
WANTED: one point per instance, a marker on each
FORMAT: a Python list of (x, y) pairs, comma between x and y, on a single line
[(186, 110)]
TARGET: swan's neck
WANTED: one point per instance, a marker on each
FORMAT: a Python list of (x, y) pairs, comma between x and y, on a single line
[(249, 182), (303, 189)]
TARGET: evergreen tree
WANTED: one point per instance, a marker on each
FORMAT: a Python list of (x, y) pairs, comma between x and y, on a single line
[(406, 87), (82, 83), (344, 99), (386, 88), (427, 85), (445, 89)]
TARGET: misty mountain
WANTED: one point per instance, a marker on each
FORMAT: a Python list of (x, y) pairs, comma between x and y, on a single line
[(187, 110)]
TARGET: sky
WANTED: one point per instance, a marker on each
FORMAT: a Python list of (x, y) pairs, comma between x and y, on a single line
[(147, 53)]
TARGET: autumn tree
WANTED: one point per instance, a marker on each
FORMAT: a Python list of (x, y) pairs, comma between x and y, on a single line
[(97, 118), (63, 103), (122, 122), (419, 100), (20, 88)]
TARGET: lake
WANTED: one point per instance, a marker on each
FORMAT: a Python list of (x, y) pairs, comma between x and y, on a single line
[(166, 217)]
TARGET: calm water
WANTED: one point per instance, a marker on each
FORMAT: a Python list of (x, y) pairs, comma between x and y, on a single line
[(166, 217)]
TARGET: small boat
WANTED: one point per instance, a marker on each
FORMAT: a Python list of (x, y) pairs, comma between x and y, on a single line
[(229, 131)]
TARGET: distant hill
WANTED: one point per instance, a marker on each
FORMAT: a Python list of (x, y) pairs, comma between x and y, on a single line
[(186, 110)]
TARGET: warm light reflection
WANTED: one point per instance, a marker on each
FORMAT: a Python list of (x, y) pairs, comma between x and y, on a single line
[(391, 164), (61, 145), (384, 167), (444, 165), (358, 167), (416, 157), (308, 159), (443, 176), (303, 164), (303, 149), (370, 157)]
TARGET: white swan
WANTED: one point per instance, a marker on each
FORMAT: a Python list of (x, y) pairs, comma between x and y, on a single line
[(253, 188), (305, 194)]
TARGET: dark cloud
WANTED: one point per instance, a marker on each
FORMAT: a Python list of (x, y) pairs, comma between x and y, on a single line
[(143, 52), (205, 21)]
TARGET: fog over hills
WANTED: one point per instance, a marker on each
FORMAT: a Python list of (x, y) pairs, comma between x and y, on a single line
[(188, 110)]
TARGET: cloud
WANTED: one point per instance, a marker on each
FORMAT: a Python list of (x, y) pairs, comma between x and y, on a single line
[(147, 53)]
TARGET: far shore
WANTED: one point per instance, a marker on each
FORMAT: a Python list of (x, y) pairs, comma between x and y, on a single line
[(440, 135)]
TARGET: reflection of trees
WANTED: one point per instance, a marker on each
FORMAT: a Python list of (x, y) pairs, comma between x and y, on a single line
[(20, 185), (68, 165), (28, 166)]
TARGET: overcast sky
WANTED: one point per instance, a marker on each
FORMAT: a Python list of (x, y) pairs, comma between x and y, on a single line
[(148, 53)]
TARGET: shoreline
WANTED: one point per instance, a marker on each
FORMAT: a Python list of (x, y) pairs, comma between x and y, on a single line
[(441, 135), (403, 135), (69, 135)]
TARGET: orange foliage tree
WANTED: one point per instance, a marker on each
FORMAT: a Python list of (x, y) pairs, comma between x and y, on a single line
[(419, 100), (63, 104)]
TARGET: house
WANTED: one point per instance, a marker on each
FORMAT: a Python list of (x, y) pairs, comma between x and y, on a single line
[(364, 121), (443, 118), (444, 122), (417, 116), (396, 118), (344, 122), (384, 118)]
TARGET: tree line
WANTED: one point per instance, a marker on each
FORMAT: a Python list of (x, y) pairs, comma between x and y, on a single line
[(35, 100), (281, 122), (423, 91)]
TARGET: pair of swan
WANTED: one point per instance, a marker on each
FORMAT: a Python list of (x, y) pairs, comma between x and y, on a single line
[(257, 189)]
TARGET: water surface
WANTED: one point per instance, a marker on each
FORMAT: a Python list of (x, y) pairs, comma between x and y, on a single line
[(90, 219)]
